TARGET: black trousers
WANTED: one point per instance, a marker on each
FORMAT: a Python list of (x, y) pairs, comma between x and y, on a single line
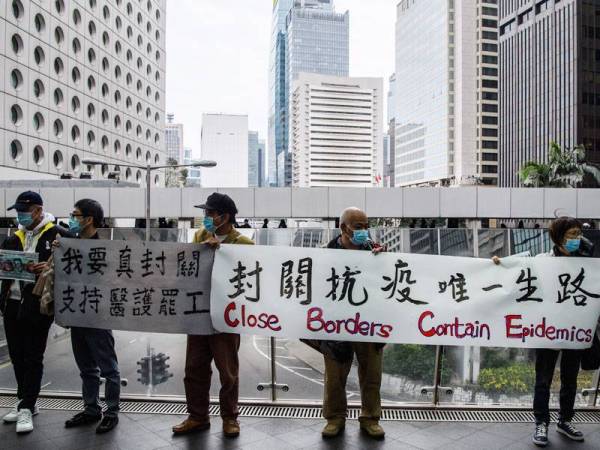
[(26, 339), (545, 362)]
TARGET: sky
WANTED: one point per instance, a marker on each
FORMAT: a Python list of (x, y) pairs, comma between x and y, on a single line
[(218, 57)]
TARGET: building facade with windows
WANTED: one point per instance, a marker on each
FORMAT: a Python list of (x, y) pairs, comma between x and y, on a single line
[(194, 178), (256, 160), (446, 99), (225, 140), (81, 79), (336, 131), (307, 36), (549, 72), (174, 140)]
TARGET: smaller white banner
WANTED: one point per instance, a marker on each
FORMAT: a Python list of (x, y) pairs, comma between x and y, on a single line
[(134, 286)]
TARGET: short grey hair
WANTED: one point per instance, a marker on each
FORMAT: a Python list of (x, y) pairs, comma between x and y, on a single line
[(346, 213)]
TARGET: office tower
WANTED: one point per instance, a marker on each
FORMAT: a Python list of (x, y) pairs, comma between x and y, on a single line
[(256, 160), (225, 140), (549, 53), (307, 36), (174, 140), (81, 80), (336, 131), (446, 93)]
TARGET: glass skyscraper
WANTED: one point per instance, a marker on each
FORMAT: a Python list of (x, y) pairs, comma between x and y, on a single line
[(307, 36), (256, 160)]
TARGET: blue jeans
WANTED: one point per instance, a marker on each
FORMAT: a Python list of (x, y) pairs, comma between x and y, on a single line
[(94, 352)]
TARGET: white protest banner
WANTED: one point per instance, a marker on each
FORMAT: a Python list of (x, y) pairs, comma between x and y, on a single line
[(405, 298), (135, 286)]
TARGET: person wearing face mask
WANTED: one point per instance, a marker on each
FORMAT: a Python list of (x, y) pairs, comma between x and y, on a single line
[(566, 235), (222, 348), (94, 349), (354, 227), (26, 328)]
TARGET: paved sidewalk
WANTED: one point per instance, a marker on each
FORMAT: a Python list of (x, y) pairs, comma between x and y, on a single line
[(149, 431)]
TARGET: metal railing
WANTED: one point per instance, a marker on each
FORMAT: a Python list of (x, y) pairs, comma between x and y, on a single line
[(428, 376)]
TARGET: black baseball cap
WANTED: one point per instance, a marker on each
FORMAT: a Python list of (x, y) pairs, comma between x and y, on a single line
[(25, 200), (219, 202)]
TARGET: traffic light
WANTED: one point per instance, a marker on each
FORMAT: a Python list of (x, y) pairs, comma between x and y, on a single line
[(160, 374), (144, 370)]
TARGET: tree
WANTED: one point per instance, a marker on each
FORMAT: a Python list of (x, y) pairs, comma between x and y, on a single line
[(183, 175), (174, 177), (565, 168)]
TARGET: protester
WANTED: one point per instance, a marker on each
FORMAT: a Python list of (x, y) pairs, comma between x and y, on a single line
[(94, 349), (566, 234), (26, 328), (266, 223), (246, 224), (220, 211), (355, 236), (282, 224)]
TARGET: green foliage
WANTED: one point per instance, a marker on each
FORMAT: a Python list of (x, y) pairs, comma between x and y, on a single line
[(416, 362), (565, 168), (516, 378)]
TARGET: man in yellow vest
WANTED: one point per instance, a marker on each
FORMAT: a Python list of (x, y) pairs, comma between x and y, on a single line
[(26, 328), (219, 220)]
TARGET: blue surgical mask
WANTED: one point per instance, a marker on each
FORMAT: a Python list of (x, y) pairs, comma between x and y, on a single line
[(74, 225), (572, 245), (360, 237), (209, 224), (25, 219)]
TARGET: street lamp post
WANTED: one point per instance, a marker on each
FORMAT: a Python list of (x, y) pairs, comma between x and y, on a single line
[(149, 169)]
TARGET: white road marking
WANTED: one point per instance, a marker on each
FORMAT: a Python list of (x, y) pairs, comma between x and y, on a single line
[(284, 367)]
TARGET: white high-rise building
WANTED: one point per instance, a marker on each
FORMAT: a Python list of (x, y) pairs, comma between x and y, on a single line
[(174, 140), (446, 93), (336, 131), (225, 140), (81, 79)]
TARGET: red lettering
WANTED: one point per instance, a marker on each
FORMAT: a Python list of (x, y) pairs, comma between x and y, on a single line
[(262, 320), (353, 325), (509, 326), (431, 331), (314, 315), (385, 331), (230, 323)]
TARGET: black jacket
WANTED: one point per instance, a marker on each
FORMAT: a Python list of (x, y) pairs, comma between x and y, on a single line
[(340, 351), (29, 302)]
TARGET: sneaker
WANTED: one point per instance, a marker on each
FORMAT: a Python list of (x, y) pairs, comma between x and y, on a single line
[(540, 437), (24, 421), (13, 414), (567, 429)]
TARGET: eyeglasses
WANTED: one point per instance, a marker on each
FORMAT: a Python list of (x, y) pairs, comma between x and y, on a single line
[(73, 215)]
